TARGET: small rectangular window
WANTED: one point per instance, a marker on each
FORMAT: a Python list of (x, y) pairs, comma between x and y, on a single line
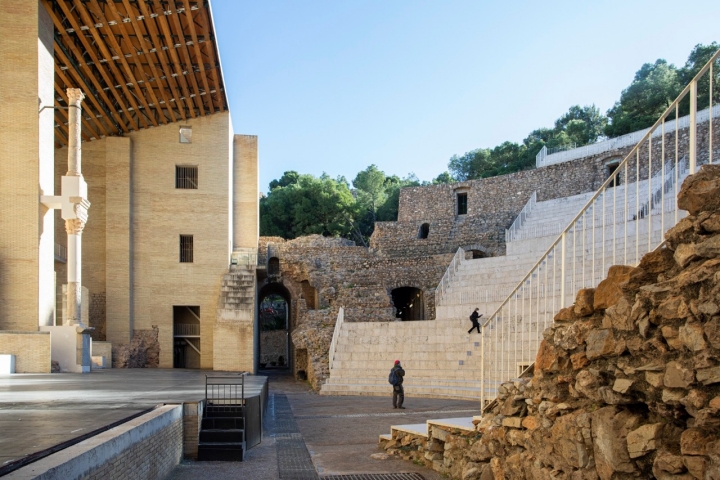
[(186, 249), (186, 177), (462, 203), (185, 134)]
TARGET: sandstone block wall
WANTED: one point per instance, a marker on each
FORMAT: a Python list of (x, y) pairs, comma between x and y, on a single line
[(31, 350), (131, 240), (26, 144)]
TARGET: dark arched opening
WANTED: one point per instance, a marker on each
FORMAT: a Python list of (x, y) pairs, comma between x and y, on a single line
[(409, 303), (424, 230), (474, 254), (310, 295), (274, 326), (273, 267)]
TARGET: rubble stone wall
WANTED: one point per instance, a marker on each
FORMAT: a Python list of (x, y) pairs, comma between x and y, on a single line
[(626, 382)]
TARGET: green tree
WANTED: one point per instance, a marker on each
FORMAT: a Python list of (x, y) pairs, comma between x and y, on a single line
[(370, 185), (309, 206), (444, 177), (582, 125), (653, 89)]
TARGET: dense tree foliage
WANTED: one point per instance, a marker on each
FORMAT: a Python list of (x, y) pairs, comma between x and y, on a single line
[(299, 204)]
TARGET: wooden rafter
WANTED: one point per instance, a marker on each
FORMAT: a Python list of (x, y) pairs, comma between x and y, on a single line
[(120, 80), (165, 62), (198, 54), (129, 75), (140, 63), (146, 49), (170, 43)]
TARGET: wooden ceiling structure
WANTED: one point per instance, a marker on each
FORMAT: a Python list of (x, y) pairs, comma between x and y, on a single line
[(140, 63)]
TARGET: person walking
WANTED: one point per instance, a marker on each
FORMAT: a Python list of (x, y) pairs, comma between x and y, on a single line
[(396, 380), (474, 319)]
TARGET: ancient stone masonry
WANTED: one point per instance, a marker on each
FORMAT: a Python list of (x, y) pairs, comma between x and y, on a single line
[(626, 382), (143, 351), (342, 274), (493, 203)]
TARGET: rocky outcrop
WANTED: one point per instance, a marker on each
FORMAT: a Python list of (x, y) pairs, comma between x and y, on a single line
[(626, 382)]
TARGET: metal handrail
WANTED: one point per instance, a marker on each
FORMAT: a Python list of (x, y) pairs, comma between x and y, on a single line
[(511, 232), (223, 393), (336, 334), (448, 275), (540, 294)]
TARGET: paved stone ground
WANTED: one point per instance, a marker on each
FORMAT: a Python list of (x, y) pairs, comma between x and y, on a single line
[(340, 434), (40, 411), (306, 435)]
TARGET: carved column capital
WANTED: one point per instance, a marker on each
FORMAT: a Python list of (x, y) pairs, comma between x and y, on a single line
[(75, 96), (74, 226)]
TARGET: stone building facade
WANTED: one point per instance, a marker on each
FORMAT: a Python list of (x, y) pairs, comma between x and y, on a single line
[(173, 193)]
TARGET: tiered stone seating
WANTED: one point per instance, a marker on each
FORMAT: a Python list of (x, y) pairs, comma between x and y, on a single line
[(441, 359)]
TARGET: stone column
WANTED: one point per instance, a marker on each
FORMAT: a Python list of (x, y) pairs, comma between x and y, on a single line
[(75, 211)]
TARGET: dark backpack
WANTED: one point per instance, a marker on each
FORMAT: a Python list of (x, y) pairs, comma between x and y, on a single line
[(393, 378)]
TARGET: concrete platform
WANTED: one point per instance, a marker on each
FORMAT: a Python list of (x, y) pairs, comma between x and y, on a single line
[(39, 411)]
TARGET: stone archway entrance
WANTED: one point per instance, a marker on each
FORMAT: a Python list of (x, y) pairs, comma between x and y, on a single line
[(409, 303), (274, 319)]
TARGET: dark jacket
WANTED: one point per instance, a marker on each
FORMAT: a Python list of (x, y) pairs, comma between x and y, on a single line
[(474, 317), (400, 373)]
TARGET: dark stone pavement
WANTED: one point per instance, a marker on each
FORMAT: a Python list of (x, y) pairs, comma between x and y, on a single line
[(340, 433), (331, 435)]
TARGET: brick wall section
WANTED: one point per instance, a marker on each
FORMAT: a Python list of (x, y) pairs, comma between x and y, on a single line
[(31, 350), (192, 420), (147, 447), (150, 459), (25, 269)]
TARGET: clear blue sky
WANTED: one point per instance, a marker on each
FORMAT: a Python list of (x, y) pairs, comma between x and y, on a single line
[(336, 85)]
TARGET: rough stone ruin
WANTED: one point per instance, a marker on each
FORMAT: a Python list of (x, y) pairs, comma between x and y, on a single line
[(626, 382)]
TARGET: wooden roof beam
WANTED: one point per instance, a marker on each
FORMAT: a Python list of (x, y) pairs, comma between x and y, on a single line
[(98, 65), (97, 11), (210, 47), (148, 55), (165, 63), (80, 81), (119, 78), (198, 55), (173, 54), (175, 16)]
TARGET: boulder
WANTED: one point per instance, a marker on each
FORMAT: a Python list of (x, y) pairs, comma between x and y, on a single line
[(678, 376), (708, 376), (584, 302), (599, 342), (608, 292), (695, 441), (712, 332), (610, 428), (643, 440), (691, 335), (701, 191)]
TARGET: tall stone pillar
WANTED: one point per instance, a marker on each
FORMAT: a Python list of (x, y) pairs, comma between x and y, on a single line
[(74, 210)]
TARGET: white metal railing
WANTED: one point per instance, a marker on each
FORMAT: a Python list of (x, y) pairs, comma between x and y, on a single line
[(186, 330), (336, 335), (543, 158), (60, 253), (510, 233), (640, 212), (448, 276)]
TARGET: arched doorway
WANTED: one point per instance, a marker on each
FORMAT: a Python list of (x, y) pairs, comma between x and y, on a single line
[(274, 326), (409, 303)]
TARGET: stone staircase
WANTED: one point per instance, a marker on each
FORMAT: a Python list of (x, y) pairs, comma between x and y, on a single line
[(441, 359), (222, 434)]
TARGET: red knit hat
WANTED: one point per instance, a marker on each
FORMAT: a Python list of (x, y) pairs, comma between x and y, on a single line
[(397, 362)]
